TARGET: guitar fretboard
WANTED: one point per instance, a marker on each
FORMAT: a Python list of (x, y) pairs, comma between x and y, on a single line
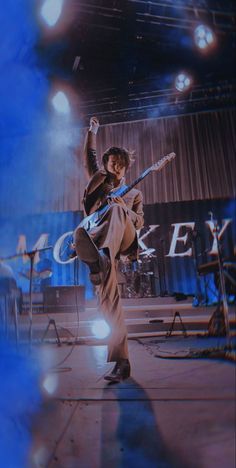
[(136, 182), (127, 188)]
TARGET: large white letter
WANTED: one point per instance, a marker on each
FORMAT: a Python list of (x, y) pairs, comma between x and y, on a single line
[(211, 225), (40, 244), (57, 249), (176, 238), (152, 228)]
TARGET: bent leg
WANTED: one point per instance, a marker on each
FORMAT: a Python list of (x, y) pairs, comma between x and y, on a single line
[(115, 233)]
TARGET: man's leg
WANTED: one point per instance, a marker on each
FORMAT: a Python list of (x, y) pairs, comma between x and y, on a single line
[(115, 232)]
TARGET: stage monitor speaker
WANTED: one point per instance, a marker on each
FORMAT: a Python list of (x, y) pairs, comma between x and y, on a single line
[(64, 299)]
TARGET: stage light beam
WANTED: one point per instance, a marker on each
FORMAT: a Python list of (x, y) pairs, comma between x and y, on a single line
[(100, 329), (51, 11), (61, 103)]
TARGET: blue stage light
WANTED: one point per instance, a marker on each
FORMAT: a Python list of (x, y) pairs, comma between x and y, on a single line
[(182, 82), (100, 329), (51, 11), (61, 103), (203, 37)]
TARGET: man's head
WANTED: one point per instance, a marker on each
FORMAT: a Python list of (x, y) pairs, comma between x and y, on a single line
[(117, 161)]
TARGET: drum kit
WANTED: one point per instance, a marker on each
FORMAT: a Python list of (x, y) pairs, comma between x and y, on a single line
[(136, 279)]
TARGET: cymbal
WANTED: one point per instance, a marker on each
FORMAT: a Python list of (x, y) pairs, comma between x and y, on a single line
[(148, 253)]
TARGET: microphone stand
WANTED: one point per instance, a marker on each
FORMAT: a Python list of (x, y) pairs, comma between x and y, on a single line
[(31, 254)]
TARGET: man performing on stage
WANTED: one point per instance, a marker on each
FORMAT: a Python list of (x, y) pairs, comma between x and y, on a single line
[(115, 234)]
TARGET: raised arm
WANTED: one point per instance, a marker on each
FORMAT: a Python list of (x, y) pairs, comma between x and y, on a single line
[(90, 153)]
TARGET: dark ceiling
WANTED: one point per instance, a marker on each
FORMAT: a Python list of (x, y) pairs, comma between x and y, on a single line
[(129, 52)]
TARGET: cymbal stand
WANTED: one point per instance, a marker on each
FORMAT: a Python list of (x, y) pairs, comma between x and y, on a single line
[(198, 298), (222, 285), (31, 255)]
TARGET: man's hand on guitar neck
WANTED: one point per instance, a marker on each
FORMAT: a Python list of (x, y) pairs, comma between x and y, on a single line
[(118, 200)]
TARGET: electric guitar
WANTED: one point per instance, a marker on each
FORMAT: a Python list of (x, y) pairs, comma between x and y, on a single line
[(93, 219)]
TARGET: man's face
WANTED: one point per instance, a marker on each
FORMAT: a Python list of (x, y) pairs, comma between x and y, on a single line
[(116, 167)]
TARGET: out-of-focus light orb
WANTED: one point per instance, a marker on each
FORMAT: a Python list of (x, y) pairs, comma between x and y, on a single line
[(61, 103), (182, 82), (203, 36), (50, 383), (40, 457), (100, 329), (51, 11)]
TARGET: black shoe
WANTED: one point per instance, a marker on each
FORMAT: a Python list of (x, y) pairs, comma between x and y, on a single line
[(120, 372), (98, 262)]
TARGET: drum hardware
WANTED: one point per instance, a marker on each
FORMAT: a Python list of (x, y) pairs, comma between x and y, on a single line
[(31, 254), (162, 268), (138, 276), (53, 323), (169, 332), (148, 253), (219, 321)]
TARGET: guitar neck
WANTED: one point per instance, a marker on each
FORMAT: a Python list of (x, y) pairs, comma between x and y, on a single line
[(123, 190), (136, 182)]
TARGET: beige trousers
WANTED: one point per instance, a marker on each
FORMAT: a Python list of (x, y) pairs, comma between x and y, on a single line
[(116, 233)]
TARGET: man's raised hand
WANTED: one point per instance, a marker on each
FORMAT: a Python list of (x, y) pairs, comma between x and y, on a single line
[(94, 125)]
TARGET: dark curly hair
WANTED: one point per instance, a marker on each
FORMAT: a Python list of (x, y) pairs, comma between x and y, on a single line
[(123, 155)]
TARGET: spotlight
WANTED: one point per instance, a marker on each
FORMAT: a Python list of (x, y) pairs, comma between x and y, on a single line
[(51, 11), (100, 329), (183, 82), (50, 384), (203, 37), (61, 103), (40, 456)]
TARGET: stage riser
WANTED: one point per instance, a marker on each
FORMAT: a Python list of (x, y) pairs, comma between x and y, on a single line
[(69, 330), (70, 312)]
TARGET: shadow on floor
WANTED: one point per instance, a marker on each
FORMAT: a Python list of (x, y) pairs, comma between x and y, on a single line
[(130, 437)]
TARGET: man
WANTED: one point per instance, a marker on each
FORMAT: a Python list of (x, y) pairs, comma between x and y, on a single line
[(115, 234)]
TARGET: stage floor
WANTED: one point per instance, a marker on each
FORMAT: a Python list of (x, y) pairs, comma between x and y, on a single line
[(176, 410)]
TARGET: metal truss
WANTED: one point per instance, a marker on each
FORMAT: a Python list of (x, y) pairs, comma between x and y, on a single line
[(160, 102), (170, 13)]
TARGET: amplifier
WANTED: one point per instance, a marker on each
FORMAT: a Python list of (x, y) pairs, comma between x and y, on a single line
[(64, 299)]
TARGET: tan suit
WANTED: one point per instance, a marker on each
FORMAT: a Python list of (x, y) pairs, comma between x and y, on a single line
[(116, 232)]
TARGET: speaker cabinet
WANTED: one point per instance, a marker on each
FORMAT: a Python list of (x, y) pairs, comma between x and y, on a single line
[(64, 299)]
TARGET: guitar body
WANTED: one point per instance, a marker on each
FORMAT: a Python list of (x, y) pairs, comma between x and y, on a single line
[(93, 219)]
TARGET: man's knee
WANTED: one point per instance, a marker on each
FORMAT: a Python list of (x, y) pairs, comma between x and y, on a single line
[(118, 209)]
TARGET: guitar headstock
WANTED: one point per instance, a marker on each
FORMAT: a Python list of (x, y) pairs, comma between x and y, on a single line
[(163, 161)]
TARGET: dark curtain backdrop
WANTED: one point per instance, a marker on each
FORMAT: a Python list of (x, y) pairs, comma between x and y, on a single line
[(205, 155), (204, 167)]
